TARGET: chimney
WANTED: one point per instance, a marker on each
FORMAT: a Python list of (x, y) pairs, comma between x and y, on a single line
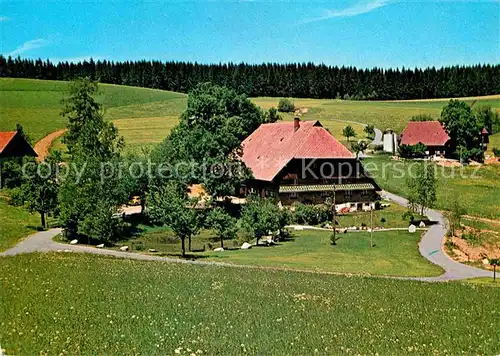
[(296, 124)]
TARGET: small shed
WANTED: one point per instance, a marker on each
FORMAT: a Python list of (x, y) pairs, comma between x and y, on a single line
[(13, 144)]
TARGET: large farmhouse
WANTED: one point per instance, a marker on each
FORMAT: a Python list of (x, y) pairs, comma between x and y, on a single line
[(301, 161), (430, 133)]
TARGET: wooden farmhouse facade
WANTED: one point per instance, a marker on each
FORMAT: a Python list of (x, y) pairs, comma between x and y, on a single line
[(301, 162)]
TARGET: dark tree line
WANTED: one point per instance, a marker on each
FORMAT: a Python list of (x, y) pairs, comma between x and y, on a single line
[(306, 80)]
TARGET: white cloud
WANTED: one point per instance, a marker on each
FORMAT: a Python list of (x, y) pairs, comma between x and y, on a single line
[(28, 46), (3, 18), (361, 7)]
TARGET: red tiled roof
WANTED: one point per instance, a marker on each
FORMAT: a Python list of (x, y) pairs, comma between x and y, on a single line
[(5, 138), (269, 148), (484, 131), (430, 133)]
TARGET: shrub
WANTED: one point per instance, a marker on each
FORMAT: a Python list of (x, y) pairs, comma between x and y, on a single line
[(383, 220), (286, 105), (422, 117), (310, 214), (139, 247), (412, 151), (496, 151), (471, 237)]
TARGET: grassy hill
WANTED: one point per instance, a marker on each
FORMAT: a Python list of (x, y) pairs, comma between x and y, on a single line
[(145, 116), (36, 104)]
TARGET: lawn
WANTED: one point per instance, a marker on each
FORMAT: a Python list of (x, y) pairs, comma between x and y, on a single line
[(80, 304), (476, 187), (15, 223), (395, 252)]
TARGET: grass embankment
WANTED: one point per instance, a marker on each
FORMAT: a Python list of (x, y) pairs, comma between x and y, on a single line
[(80, 304), (15, 223), (475, 187)]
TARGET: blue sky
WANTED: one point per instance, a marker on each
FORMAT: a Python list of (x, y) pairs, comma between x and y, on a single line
[(383, 33)]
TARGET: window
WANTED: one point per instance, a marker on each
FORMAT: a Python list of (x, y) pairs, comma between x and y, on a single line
[(348, 194)]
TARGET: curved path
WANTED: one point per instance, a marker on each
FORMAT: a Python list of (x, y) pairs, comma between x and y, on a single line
[(42, 147), (431, 247)]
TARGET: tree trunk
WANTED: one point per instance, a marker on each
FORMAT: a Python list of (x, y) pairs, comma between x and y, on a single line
[(42, 219), (143, 204), (189, 245), (221, 242), (422, 211), (183, 247)]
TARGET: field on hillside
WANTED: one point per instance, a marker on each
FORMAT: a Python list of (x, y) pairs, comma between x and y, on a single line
[(36, 104), (81, 304), (145, 116), (475, 187), (383, 115)]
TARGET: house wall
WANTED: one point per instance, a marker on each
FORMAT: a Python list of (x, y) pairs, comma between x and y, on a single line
[(355, 200), (318, 173)]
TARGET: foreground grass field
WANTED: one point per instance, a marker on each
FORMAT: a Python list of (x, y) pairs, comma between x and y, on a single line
[(79, 304), (475, 187)]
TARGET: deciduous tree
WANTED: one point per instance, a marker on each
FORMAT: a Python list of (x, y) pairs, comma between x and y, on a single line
[(170, 206), (261, 216), (349, 132), (223, 224), (422, 187)]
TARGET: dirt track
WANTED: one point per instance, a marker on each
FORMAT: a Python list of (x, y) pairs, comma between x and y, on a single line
[(42, 147), (496, 96)]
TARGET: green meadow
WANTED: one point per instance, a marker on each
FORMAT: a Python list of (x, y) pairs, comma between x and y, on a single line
[(145, 116), (475, 187), (36, 104), (80, 304)]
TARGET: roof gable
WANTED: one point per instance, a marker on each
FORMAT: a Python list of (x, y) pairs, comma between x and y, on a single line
[(13, 144), (269, 148), (430, 133)]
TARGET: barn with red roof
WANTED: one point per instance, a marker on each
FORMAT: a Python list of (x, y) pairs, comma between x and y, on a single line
[(301, 161), (430, 133), (13, 144)]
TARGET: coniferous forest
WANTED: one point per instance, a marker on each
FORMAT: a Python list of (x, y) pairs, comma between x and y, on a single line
[(305, 80)]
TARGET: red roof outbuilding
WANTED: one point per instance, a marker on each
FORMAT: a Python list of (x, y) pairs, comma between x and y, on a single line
[(430, 133), (269, 148)]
